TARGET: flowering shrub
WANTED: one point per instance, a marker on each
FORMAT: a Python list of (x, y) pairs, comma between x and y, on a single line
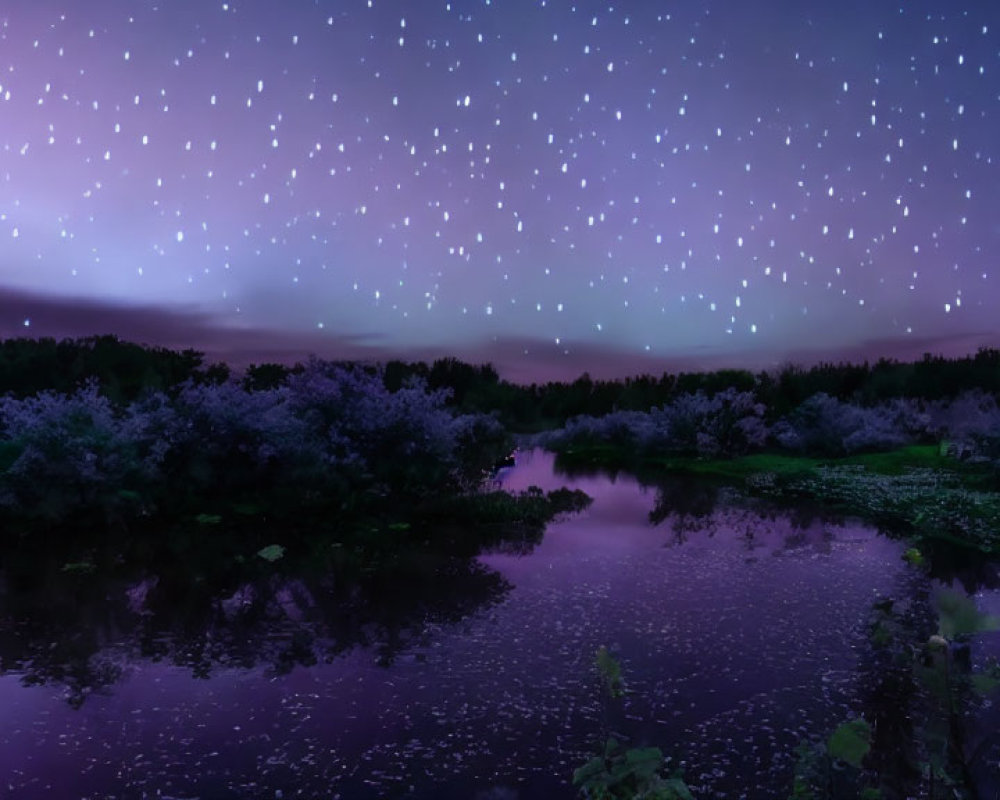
[(405, 441), (728, 423), (823, 425), (627, 429), (332, 435), (972, 418), (226, 439), (62, 451)]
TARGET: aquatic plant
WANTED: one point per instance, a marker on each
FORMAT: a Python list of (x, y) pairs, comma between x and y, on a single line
[(610, 672), (272, 553), (833, 770), (850, 742), (618, 773), (958, 616), (634, 774), (928, 503)]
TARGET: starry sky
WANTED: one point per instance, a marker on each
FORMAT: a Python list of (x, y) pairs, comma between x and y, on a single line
[(554, 186)]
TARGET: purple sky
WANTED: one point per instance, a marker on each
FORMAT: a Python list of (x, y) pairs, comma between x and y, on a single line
[(555, 187)]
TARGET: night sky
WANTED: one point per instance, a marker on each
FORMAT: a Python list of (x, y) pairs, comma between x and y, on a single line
[(550, 185)]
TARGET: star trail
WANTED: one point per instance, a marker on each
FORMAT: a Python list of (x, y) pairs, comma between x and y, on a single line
[(640, 179)]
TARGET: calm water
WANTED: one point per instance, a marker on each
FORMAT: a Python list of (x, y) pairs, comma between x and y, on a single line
[(741, 632)]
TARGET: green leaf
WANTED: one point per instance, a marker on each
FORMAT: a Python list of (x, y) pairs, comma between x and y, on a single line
[(914, 557), (988, 680), (610, 671), (81, 567), (208, 519), (676, 789), (958, 615), (272, 552), (590, 771), (851, 742), (644, 762), (880, 635)]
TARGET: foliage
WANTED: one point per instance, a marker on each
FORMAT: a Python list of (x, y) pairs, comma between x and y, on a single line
[(531, 508), (959, 617), (833, 770), (728, 423), (823, 425), (988, 680), (68, 451), (633, 774), (610, 672), (625, 774), (933, 504), (272, 553), (850, 742), (331, 436), (124, 371)]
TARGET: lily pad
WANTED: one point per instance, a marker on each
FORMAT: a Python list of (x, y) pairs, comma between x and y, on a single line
[(272, 552), (851, 742), (82, 567)]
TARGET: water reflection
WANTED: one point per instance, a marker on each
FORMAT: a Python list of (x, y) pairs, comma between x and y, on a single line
[(744, 631), (77, 627)]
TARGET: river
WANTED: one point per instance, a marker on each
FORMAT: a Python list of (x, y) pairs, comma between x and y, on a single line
[(742, 630)]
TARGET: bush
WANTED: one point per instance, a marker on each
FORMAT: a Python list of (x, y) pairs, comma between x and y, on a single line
[(332, 436), (972, 418), (67, 451), (729, 423), (823, 425)]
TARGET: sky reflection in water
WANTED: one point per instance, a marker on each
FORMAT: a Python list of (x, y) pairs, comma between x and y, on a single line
[(740, 633)]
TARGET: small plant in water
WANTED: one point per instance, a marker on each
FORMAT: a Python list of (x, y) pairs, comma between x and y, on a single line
[(851, 742), (272, 552), (633, 774), (834, 771), (610, 671), (620, 773), (81, 567)]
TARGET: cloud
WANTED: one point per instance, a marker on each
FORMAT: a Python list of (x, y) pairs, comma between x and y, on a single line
[(520, 359)]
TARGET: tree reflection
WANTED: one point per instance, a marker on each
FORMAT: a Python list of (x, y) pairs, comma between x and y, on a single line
[(80, 628), (689, 503)]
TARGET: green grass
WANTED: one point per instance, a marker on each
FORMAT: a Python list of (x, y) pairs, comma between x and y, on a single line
[(742, 467), (915, 491), (897, 462), (781, 465)]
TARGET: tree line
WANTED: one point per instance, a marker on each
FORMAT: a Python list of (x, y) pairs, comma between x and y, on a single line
[(125, 371)]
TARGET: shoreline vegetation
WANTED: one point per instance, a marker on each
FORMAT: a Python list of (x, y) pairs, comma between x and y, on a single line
[(123, 462), (99, 433), (916, 491)]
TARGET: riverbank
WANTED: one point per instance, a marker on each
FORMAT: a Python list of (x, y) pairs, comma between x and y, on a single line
[(916, 491)]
